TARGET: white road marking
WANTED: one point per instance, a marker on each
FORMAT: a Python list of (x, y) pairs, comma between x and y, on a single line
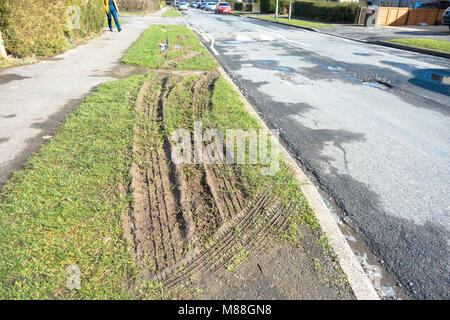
[(240, 37), (265, 37), (293, 41), (211, 40)]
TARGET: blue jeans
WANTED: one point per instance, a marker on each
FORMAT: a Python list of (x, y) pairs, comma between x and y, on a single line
[(112, 11)]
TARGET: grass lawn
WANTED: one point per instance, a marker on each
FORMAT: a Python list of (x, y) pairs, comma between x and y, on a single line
[(172, 13), (439, 45), (242, 12), (184, 51), (64, 209), (296, 22)]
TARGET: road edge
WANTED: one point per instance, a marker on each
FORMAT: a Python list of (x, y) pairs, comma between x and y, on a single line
[(357, 278), (375, 42), (361, 285)]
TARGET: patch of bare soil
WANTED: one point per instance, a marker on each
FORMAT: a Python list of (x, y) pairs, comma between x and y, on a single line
[(282, 270), (192, 222)]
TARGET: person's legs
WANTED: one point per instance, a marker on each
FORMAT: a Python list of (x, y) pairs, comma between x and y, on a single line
[(112, 11), (109, 20)]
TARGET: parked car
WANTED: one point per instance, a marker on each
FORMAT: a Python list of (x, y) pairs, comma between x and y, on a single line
[(183, 6), (446, 17), (211, 6), (223, 7)]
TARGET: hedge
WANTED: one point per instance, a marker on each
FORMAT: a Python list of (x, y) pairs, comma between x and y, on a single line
[(41, 28), (268, 6), (139, 5), (239, 6), (324, 11)]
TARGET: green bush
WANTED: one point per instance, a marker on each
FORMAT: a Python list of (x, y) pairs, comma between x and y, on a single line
[(139, 5), (238, 6), (324, 11), (40, 27), (268, 6)]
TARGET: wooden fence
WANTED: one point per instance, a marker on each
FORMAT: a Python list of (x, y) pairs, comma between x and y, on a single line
[(393, 16)]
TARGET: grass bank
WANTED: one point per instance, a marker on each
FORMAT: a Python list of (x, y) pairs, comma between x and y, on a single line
[(172, 13), (438, 45)]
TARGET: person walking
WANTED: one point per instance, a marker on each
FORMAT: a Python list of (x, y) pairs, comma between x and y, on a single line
[(112, 9)]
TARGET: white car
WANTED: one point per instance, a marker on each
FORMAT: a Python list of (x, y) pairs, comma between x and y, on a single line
[(211, 6), (446, 18), (183, 6)]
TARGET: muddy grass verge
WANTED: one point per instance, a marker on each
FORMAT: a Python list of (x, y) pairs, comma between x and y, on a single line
[(193, 222), (104, 198), (169, 47)]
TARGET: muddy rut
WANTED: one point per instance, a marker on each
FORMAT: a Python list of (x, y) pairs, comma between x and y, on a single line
[(188, 220)]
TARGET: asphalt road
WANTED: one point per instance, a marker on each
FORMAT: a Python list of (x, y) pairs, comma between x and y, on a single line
[(371, 124)]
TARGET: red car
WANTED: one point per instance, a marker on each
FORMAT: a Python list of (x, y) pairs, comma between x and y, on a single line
[(223, 7)]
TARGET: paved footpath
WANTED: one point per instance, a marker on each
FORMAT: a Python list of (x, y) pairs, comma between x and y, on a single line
[(388, 33), (34, 99)]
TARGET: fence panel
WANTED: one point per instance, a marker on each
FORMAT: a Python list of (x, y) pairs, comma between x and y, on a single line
[(392, 16)]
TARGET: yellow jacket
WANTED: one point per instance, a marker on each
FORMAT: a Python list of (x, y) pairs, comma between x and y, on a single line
[(106, 4)]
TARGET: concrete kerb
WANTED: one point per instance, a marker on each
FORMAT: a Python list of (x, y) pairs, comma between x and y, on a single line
[(357, 278), (412, 49)]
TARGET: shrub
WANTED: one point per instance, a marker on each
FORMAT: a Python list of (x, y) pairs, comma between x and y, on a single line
[(239, 6), (139, 5), (40, 27), (324, 11), (268, 6)]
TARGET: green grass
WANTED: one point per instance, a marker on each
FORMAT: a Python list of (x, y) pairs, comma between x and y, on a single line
[(228, 112), (181, 41), (64, 208), (243, 12), (296, 22), (172, 13), (11, 62), (106, 25), (439, 45), (237, 259)]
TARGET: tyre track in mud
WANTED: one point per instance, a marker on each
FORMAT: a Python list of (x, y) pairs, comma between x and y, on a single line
[(188, 221)]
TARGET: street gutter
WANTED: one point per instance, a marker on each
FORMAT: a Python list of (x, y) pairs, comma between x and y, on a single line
[(377, 42)]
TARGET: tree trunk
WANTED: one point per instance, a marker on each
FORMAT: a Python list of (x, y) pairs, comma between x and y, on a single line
[(2, 47)]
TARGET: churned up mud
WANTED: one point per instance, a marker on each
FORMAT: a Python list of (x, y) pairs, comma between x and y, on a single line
[(191, 223)]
